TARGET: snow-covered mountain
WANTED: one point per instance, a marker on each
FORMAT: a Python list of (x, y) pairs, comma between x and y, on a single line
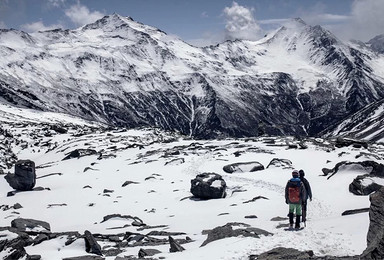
[(298, 80)]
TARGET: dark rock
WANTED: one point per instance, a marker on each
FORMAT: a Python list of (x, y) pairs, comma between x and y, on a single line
[(148, 252), (34, 257), (17, 206), (129, 182), (228, 230), (85, 257), (371, 167), (363, 185), (59, 129), (136, 220), (91, 245), (78, 153), (284, 253), (284, 163), (40, 238), (108, 191), (375, 237), (174, 246), (251, 216), (279, 219), (255, 198), (345, 142), (243, 167), (354, 211), (176, 161), (112, 252), (208, 186), (22, 224), (24, 178)]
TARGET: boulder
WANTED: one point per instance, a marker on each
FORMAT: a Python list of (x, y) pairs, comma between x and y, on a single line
[(284, 163), (243, 167), (24, 178), (22, 224), (208, 186), (375, 236), (91, 245), (233, 230), (364, 185), (78, 153), (174, 246), (284, 253), (370, 167), (148, 252), (345, 142)]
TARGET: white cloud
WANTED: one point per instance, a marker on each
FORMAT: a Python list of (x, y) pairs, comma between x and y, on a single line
[(56, 3), (81, 15), (204, 15), (3, 25), (240, 23), (39, 26), (367, 18)]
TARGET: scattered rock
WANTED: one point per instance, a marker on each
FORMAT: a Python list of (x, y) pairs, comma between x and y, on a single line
[(255, 198), (345, 142), (24, 178), (243, 167), (283, 163), (148, 252), (174, 246), (176, 161), (78, 153), (85, 257), (233, 230), (354, 211), (279, 219), (364, 185), (91, 245), (284, 253), (208, 186), (375, 237), (129, 182), (22, 224)]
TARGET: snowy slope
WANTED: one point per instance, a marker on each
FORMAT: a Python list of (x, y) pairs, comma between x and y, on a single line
[(161, 165), (297, 80)]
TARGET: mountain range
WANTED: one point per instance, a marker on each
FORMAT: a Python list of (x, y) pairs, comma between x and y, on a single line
[(299, 80)]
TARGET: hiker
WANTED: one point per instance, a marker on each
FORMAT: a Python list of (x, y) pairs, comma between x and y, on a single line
[(294, 196), (308, 195)]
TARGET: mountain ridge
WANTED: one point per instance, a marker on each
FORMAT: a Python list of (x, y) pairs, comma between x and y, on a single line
[(124, 73)]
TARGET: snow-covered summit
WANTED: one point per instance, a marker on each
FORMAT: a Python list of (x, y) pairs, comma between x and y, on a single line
[(297, 80)]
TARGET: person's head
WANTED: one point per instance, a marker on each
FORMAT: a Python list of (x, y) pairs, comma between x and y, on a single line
[(295, 174), (302, 174)]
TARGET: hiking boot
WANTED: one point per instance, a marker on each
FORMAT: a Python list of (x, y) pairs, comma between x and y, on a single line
[(290, 215), (297, 224)]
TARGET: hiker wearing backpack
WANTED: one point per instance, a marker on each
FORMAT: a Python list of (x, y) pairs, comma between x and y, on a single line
[(294, 196), (308, 195)]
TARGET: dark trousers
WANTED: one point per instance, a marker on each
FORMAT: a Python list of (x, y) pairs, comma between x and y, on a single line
[(304, 211)]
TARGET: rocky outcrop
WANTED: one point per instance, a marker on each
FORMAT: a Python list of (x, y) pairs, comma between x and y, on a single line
[(208, 186), (24, 178), (283, 253), (22, 224), (371, 167), (243, 167), (91, 245), (345, 142), (364, 185), (283, 163), (375, 237), (233, 230)]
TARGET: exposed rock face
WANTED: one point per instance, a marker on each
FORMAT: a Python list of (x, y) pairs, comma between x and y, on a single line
[(233, 230), (22, 224), (208, 186), (375, 237), (79, 153), (91, 245), (284, 163), (24, 178), (345, 142), (364, 185), (243, 167), (174, 246), (371, 167)]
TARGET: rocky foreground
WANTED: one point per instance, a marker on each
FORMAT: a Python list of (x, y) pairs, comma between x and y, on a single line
[(107, 232)]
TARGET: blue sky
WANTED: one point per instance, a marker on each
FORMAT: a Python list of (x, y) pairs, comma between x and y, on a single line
[(201, 22)]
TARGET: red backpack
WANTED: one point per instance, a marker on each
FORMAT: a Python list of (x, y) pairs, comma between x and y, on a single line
[(294, 194)]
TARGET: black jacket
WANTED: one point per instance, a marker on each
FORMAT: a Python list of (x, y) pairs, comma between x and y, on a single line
[(307, 188)]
